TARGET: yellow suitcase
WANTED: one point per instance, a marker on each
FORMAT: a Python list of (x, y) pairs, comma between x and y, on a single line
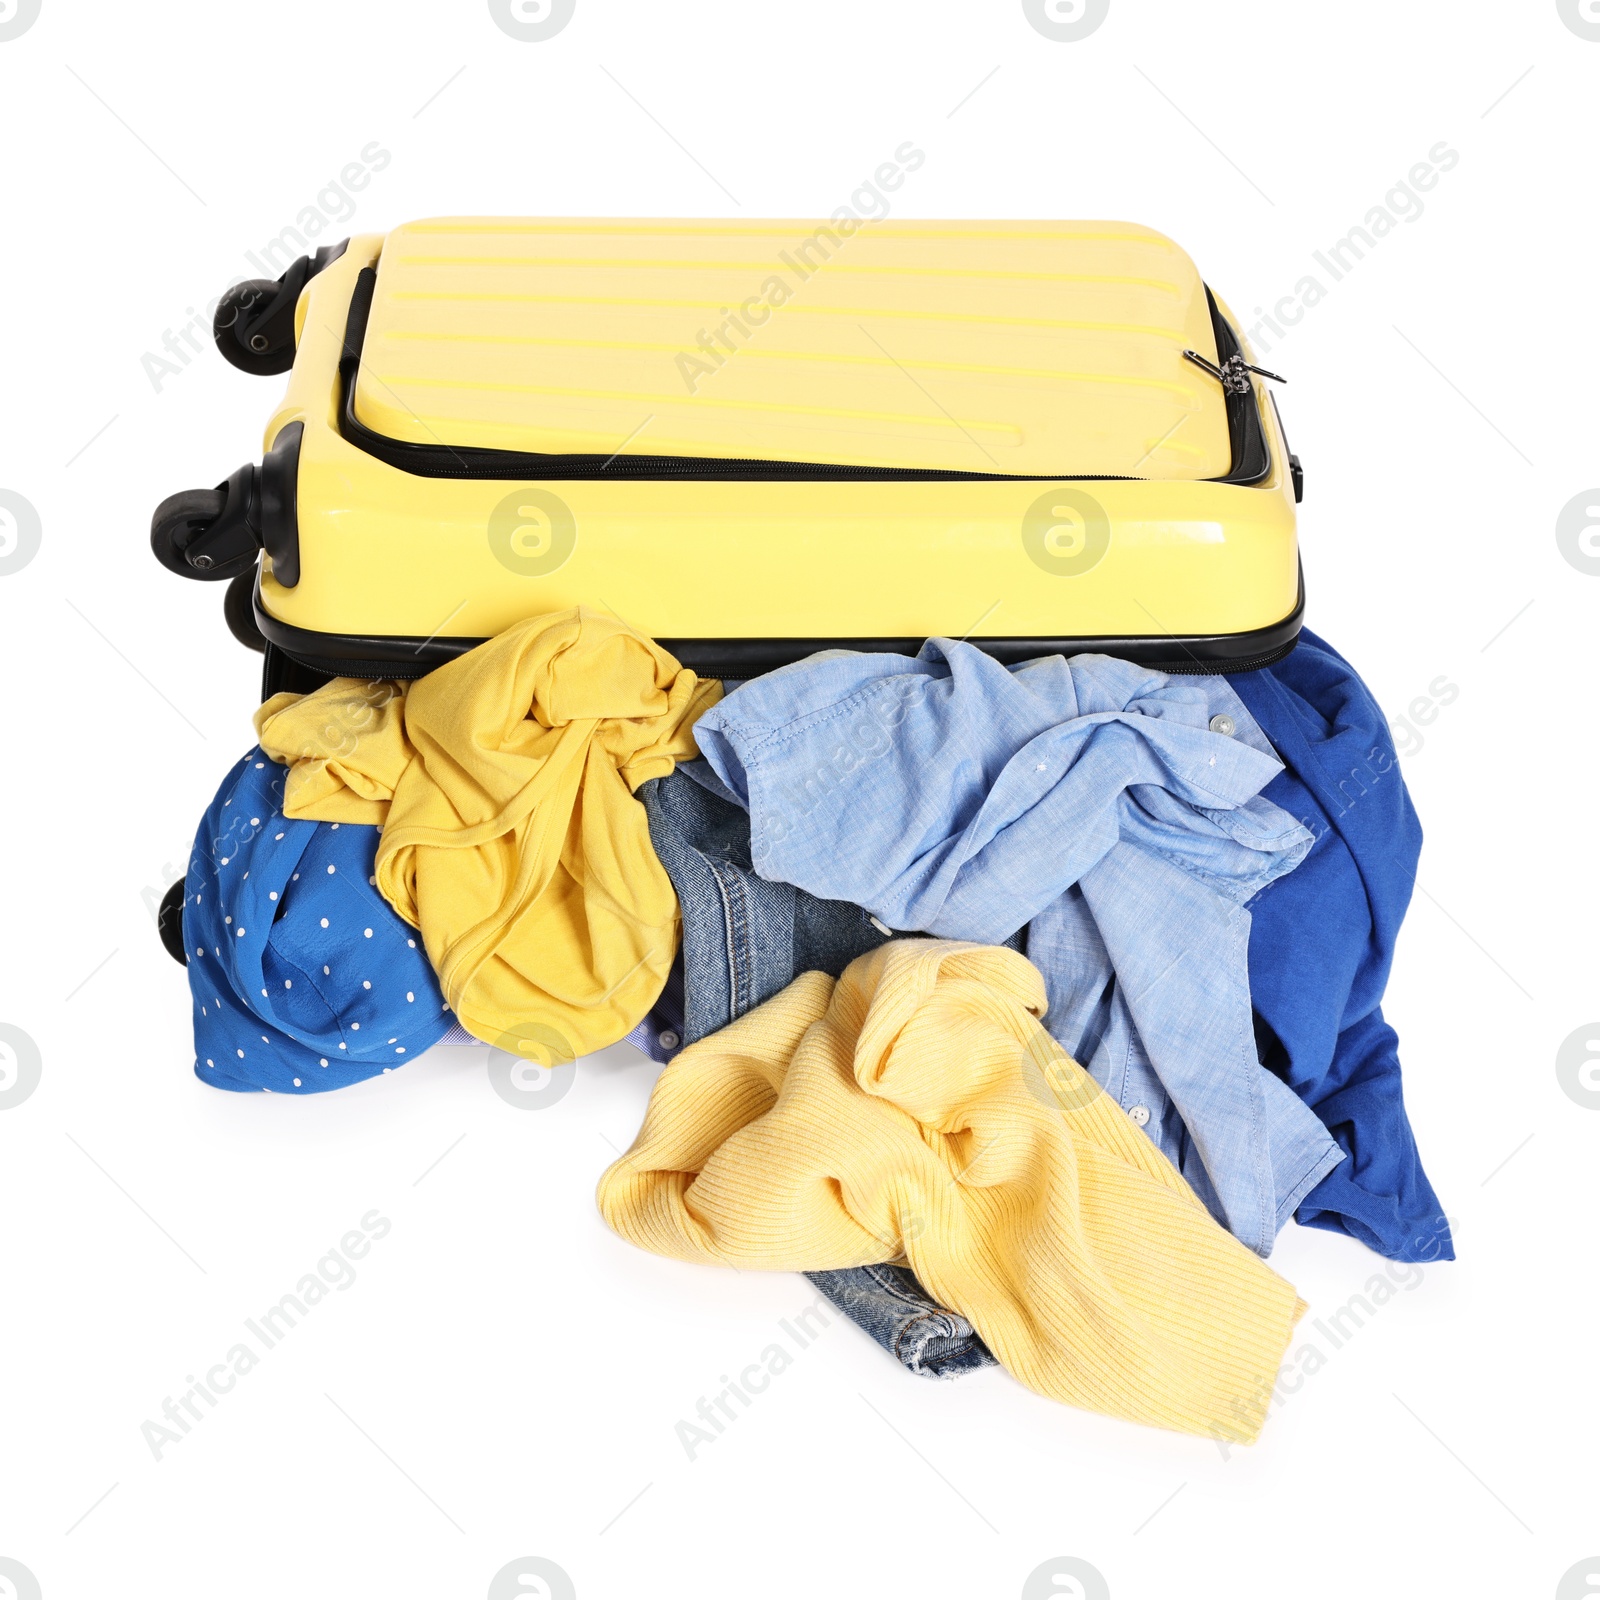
[(751, 441)]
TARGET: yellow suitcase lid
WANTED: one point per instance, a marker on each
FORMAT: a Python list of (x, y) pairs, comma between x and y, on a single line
[(1034, 349)]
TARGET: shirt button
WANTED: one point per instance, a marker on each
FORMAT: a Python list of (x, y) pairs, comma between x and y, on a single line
[(667, 1039), (1139, 1114), (1222, 723)]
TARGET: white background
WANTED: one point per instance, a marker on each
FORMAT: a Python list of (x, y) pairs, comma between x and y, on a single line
[(505, 1376)]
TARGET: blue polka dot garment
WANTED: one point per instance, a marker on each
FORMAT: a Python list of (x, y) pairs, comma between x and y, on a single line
[(303, 978)]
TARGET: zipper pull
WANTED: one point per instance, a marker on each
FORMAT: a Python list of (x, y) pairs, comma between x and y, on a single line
[(1232, 374)]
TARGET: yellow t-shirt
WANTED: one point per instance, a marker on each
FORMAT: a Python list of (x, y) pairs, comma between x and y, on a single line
[(504, 782)]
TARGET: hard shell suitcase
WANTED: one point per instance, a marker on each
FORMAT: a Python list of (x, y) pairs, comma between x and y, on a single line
[(751, 441)]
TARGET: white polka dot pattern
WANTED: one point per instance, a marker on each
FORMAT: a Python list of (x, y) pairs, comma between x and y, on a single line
[(301, 917)]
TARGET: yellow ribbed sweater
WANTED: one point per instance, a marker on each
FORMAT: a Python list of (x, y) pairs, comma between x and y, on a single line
[(504, 782), (918, 1108)]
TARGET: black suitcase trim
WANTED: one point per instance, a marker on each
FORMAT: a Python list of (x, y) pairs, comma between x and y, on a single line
[(1251, 463), (391, 656)]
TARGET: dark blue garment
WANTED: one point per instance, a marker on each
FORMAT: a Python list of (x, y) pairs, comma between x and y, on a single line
[(1322, 940)]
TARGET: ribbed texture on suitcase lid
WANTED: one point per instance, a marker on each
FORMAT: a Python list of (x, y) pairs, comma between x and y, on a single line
[(1028, 348)]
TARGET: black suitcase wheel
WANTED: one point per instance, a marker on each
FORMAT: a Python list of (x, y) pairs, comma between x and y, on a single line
[(182, 519), (260, 352), (238, 608), (179, 519), (169, 922)]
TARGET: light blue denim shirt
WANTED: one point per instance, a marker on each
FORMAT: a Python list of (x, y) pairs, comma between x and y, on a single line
[(1114, 809)]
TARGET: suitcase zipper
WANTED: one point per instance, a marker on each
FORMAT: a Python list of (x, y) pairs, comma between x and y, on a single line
[(1233, 374)]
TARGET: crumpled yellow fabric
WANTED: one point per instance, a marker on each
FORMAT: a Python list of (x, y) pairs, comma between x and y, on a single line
[(918, 1108), (504, 782)]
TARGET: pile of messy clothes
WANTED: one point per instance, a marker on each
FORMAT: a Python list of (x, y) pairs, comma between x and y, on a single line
[(1019, 1007)]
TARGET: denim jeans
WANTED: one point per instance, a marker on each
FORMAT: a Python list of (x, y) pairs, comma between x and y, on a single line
[(888, 1303), (745, 939)]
